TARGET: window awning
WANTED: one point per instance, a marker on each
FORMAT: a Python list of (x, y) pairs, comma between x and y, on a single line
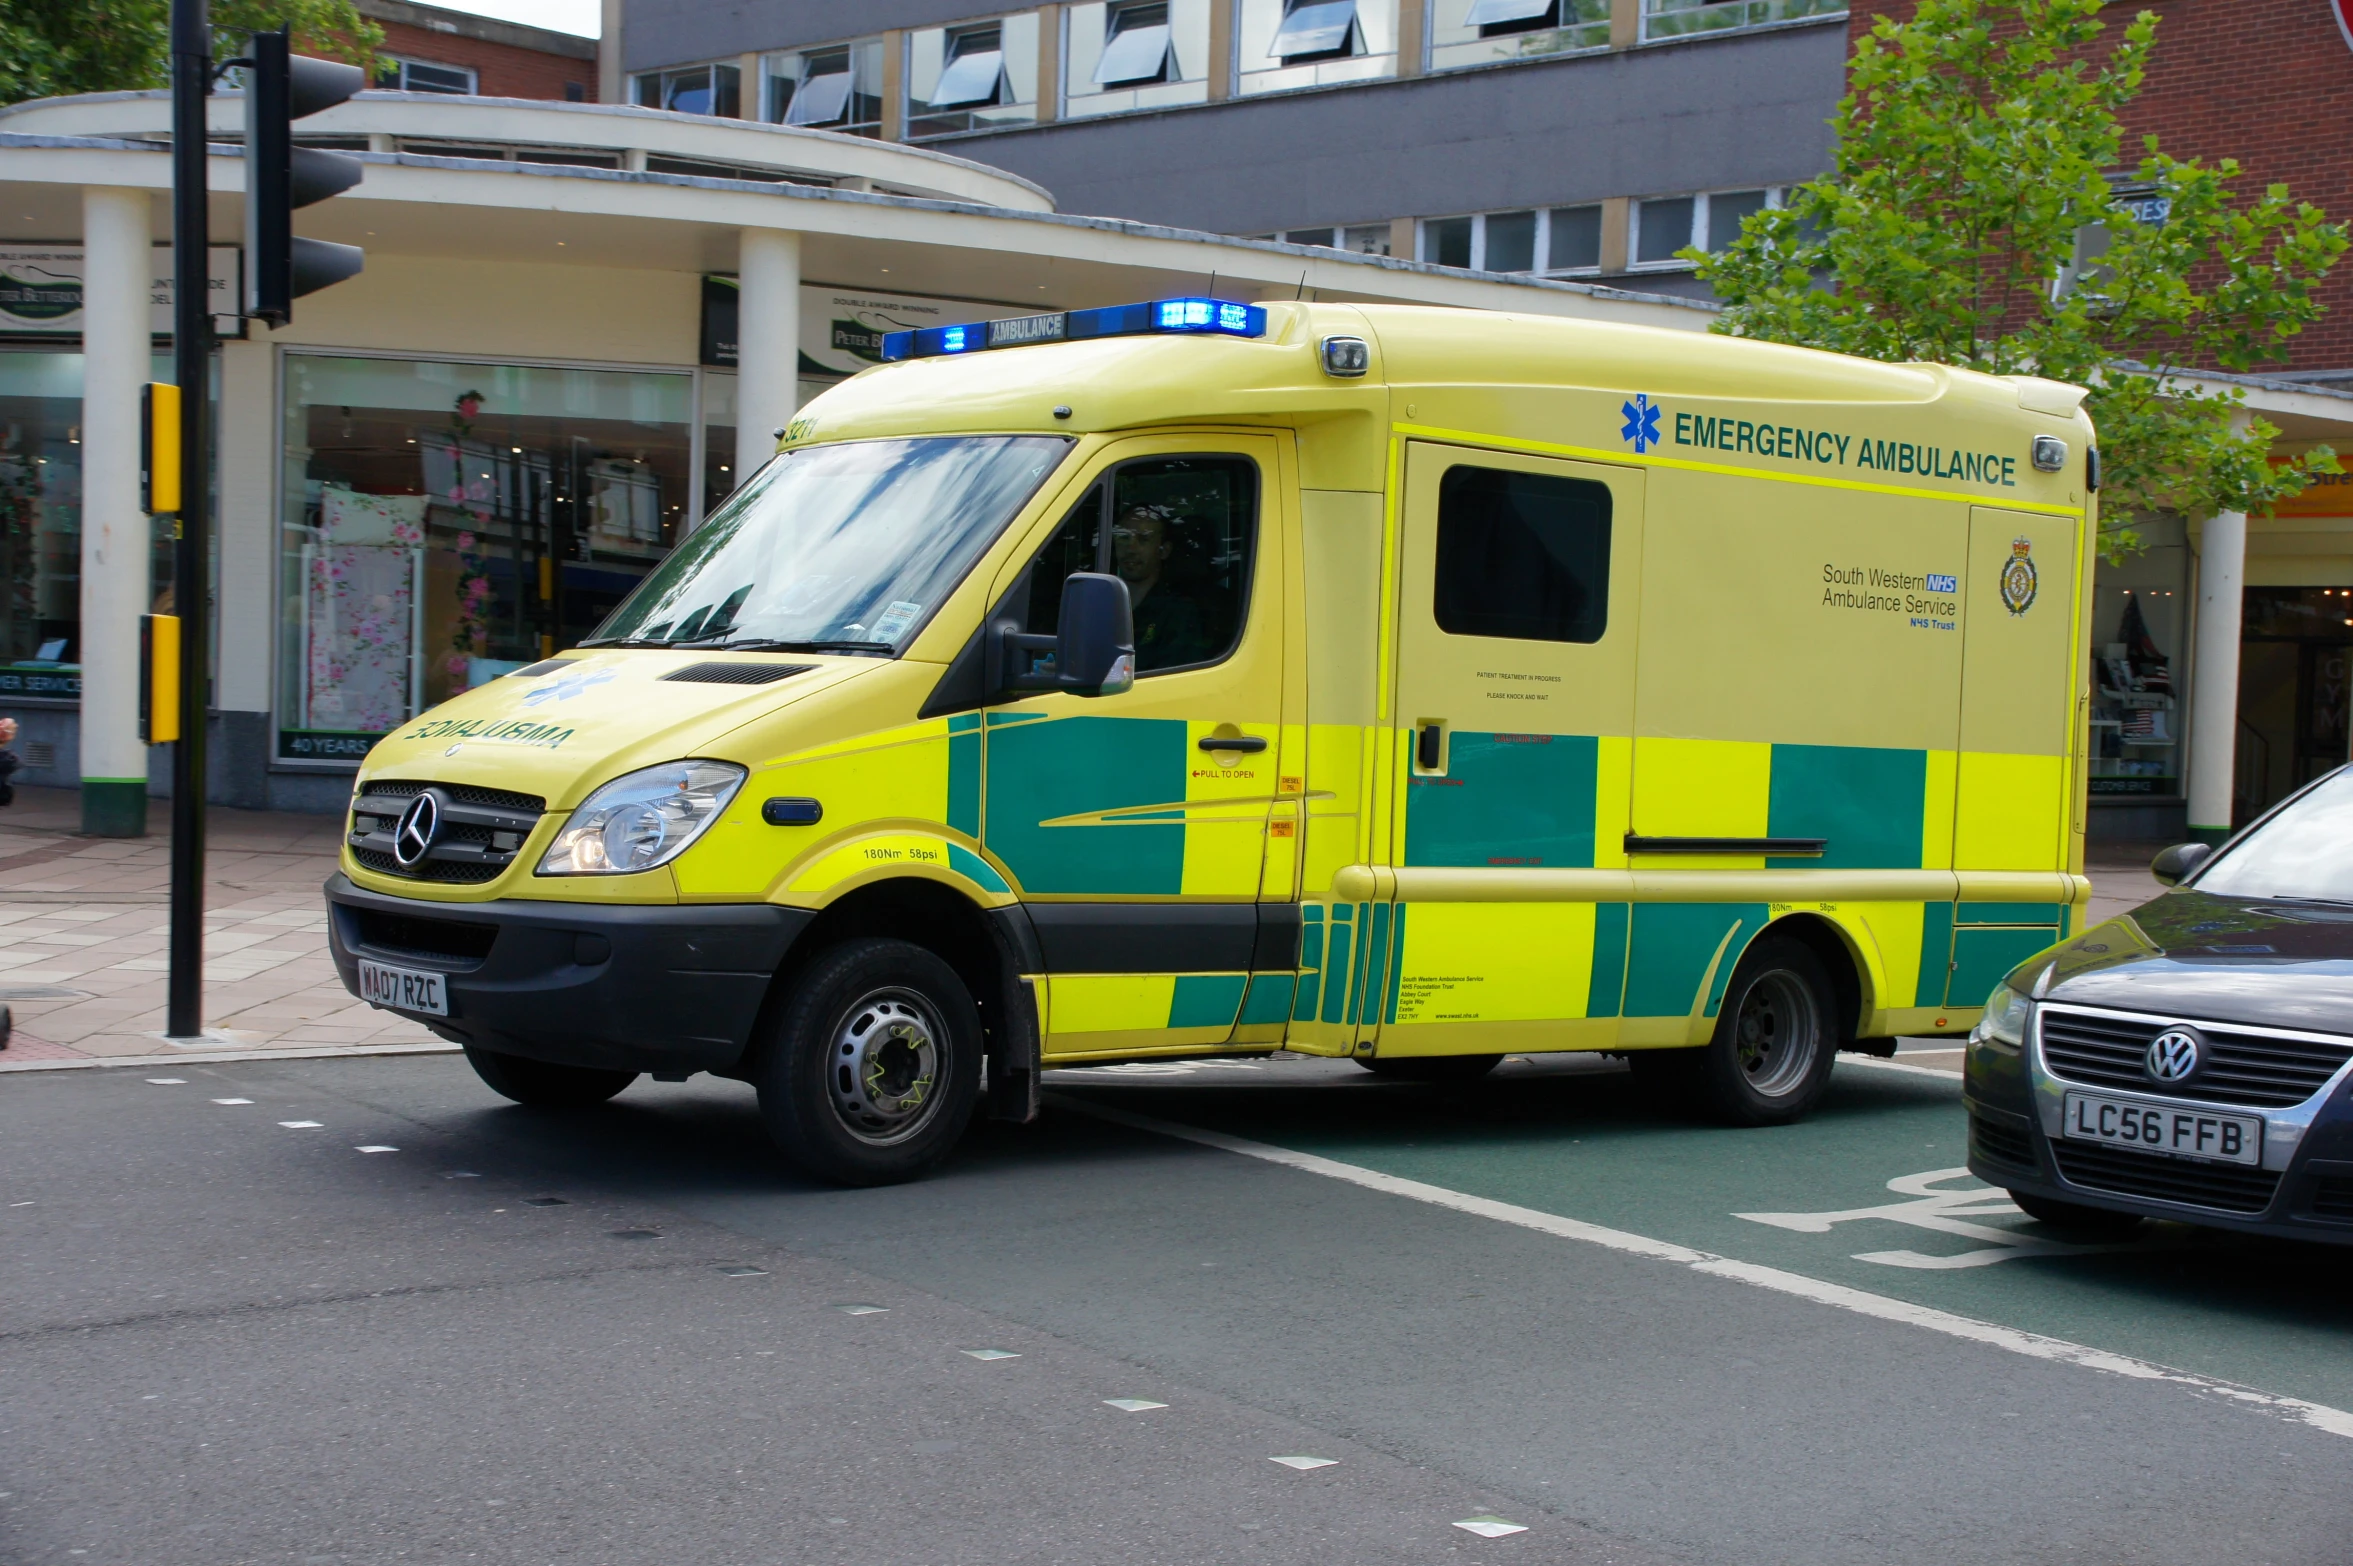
[(1135, 55), (1486, 13), (970, 80), (1319, 27), (822, 100)]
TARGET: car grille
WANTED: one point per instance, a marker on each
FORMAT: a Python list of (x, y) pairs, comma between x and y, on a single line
[(2333, 1199), (2242, 1067), (482, 830), (2224, 1188), (437, 941), (1996, 1143)]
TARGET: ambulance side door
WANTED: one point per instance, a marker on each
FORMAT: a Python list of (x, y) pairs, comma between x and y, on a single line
[(1134, 835), (1517, 613)]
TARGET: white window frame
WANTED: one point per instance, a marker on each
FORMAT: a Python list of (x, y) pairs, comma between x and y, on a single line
[(1189, 24), (1541, 253), (793, 63), (403, 63), (1582, 35), (1774, 195), (1017, 61), (1333, 238), (1758, 13), (660, 79), (1372, 38)]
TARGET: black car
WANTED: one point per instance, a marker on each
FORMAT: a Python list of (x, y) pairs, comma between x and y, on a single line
[(2189, 1059)]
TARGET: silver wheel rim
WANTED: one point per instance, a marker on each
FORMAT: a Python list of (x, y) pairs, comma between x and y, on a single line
[(1777, 1034), (884, 1068)]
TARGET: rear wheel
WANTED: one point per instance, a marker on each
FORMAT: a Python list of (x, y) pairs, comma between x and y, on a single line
[(875, 1068), (543, 1084), (1776, 1040), (2073, 1217), (1432, 1068)]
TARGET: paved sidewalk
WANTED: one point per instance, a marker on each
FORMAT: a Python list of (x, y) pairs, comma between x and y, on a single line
[(83, 920), (83, 937)]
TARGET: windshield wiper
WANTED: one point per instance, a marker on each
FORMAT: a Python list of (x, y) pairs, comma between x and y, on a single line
[(2324, 902), (773, 644)]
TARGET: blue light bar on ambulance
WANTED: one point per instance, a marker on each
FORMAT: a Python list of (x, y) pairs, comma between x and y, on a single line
[(1214, 317)]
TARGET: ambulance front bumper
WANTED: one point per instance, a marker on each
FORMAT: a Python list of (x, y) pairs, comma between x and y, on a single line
[(629, 988)]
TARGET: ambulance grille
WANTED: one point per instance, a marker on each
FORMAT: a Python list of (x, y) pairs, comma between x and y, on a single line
[(481, 830), (738, 673)]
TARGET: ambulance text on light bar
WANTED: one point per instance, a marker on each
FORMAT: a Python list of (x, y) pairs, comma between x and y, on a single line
[(1216, 317)]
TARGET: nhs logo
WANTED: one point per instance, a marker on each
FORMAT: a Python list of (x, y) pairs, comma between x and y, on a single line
[(1943, 584)]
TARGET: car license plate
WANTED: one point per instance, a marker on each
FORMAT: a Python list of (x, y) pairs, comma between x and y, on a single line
[(404, 989), (2182, 1133)]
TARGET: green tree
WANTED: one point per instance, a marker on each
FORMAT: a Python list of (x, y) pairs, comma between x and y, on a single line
[(1977, 142), (52, 47)]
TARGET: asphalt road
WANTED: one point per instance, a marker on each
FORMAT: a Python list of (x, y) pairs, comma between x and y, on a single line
[(619, 1336)]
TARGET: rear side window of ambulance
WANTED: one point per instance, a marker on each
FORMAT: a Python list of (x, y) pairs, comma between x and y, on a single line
[(1523, 555)]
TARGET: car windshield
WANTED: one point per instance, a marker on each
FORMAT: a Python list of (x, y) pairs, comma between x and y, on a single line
[(847, 547), (2306, 851)]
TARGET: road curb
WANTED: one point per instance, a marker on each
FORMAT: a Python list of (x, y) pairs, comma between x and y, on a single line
[(227, 1056)]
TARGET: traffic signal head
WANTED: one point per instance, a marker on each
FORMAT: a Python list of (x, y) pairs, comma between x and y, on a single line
[(280, 88)]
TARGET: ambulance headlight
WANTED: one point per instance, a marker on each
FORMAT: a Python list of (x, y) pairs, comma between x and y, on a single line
[(643, 819), (2004, 1023)]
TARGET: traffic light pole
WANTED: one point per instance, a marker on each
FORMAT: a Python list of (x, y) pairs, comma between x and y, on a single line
[(191, 555)]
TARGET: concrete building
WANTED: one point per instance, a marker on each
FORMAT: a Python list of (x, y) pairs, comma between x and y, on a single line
[(1566, 138), (461, 459)]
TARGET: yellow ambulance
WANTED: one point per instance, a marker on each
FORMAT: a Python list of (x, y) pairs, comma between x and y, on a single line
[(1412, 685)]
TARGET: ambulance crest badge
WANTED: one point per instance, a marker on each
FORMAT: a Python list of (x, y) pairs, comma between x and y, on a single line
[(2020, 580)]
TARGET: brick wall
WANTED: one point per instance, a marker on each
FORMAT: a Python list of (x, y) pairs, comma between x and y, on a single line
[(501, 70), (2268, 82)]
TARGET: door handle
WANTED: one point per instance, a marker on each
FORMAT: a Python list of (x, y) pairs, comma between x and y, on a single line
[(1248, 744), (1429, 747)]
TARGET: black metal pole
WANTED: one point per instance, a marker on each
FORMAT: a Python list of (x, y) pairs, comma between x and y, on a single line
[(191, 554)]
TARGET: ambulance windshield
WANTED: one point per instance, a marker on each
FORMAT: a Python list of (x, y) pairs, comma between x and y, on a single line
[(842, 548)]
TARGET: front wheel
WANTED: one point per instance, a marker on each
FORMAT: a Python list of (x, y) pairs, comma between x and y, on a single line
[(543, 1084), (874, 1071), (1776, 1040)]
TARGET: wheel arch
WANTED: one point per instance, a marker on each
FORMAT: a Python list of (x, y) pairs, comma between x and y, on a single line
[(1841, 958)]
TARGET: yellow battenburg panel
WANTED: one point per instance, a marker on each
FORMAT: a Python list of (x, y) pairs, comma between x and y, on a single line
[(1226, 808), (1613, 800), (1110, 1002), (2012, 813), (1936, 810), (1335, 780), (899, 774), (1702, 788), (1888, 935), (1495, 962)]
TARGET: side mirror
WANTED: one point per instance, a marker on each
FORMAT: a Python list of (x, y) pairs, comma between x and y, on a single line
[(1094, 653), (2176, 864)]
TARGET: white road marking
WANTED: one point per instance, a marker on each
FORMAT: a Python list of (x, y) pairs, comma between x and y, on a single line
[(1132, 1405), (1945, 1212), (1878, 1064), (2013, 1340), (303, 1125), (232, 1100), (992, 1354), (1490, 1527), (1303, 1464), (376, 1147), (863, 1310), (167, 1081)]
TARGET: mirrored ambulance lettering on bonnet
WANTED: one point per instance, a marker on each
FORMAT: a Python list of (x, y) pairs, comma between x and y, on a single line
[(1201, 677)]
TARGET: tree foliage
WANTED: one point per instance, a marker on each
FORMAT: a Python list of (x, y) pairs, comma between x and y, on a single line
[(49, 48), (1976, 141)]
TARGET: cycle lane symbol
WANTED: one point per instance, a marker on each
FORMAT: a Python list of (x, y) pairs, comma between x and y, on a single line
[(1932, 1204)]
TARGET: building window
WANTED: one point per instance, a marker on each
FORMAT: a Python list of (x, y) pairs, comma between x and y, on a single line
[(1314, 43), (694, 89), (1683, 18), (1711, 221), (1489, 32), (1365, 239), (422, 76), (972, 76), (445, 523), (1134, 54), (835, 88), (1553, 240)]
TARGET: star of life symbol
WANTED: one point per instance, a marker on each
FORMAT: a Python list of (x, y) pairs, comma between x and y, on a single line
[(1642, 423), (565, 687), (1933, 1205)]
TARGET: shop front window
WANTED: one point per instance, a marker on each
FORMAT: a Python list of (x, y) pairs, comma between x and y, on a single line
[(445, 523), (2295, 691), (2138, 620)]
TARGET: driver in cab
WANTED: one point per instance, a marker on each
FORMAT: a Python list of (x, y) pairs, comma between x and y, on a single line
[(1168, 625)]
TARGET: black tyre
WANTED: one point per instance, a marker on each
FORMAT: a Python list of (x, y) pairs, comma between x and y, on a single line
[(1432, 1068), (874, 1069), (546, 1086), (2073, 1217), (1776, 1040)]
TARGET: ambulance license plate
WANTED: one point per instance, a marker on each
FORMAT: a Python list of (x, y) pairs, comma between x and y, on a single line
[(404, 989), (2179, 1133)]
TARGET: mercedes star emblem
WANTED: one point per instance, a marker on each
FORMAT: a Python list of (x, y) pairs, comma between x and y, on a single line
[(419, 824), (2173, 1055)]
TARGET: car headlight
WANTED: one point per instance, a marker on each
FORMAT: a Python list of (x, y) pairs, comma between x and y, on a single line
[(642, 819), (2004, 1023)]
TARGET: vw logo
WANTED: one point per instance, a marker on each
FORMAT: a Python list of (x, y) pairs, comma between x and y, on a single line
[(418, 826), (2173, 1055)]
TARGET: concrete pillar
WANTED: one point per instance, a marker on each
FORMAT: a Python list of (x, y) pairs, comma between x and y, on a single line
[(768, 342), (117, 271), (611, 85), (2214, 677)]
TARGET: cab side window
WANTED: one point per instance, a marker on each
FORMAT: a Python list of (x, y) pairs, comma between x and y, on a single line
[(1180, 531), (1522, 555)]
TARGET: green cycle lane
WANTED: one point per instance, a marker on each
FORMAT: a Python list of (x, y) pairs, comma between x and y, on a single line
[(1573, 1136)]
